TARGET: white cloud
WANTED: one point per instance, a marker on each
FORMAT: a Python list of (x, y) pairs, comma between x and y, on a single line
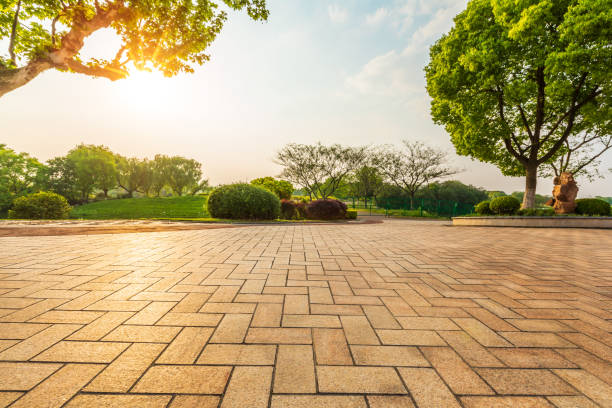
[(377, 17), (337, 14)]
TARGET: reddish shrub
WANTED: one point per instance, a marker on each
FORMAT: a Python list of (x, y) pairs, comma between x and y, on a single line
[(326, 210)]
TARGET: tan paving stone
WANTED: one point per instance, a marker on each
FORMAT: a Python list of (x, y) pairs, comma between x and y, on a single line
[(190, 319), (572, 402), (455, 372), (59, 387), (186, 346), (388, 356), (359, 380), (588, 385), (330, 347), (118, 401), (82, 352), (151, 313), (410, 337), (357, 330), (31, 346), (525, 381), (588, 362), (122, 373), (232, 329), (101, 326), (238, 354), (267, 315), (232, 308), (7, 397), (285, 335), (319, 401), (427, 388), (165, 379), (195, 401), (296, 304), (481, 333), (249, 387), (522, 339), (146, 334), (20, 330), (427, 323), (470, 350), (380, 317), (66, 316), (531, 358), (294, 370), (505, 402), (24, 376), (311, 321), (191, 303), (390, 401)]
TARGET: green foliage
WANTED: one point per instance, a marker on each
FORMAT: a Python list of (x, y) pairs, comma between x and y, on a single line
[(145, 207), (512, 80), (540, 200), (59, 176), (169, 36), (536, 212), (292, 210), (351, 214), (606, 199), (327, 209), (483, 208), (42, 205), (592, 206), (282, 188), (505, 205), (365, 182), (452, 190), (18, 176), (494, 194), (94, 167), (243, 201), (131, 173)]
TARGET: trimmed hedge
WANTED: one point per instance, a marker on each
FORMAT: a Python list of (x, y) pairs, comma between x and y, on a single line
[(592, 206), (505, 205), (351, 214), (483, 208), (43, 205), (537, 212), (243, 201), (326, 210)]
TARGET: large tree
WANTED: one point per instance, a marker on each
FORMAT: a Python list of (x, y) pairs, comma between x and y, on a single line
[(513, 80), (168, 35), (19, 175)]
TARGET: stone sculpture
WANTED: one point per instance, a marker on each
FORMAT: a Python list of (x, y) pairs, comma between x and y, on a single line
[(564, 194)]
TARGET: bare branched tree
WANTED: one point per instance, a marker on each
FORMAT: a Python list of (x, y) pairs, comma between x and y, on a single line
[(318, 168), (580, 155), (413, 166)]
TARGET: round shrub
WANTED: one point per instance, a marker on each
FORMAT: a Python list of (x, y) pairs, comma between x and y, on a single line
[(504, 205), (326, 210), (43, 205), (243, 201), (483, 208), (592, 206), (351, 214), (288, 210)]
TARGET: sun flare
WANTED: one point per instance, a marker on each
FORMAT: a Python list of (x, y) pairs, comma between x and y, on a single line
[(144, 90)]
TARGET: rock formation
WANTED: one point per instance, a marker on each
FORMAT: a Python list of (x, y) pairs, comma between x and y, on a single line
[(564, 194)]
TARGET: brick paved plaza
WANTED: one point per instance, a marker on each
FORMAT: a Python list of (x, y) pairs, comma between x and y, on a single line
[(398, 314)]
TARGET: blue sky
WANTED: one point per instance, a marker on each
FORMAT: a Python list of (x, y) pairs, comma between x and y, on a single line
[(347, 71)]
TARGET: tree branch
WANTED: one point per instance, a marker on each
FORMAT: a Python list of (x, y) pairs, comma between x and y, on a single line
[(507, 142), (11, 48)]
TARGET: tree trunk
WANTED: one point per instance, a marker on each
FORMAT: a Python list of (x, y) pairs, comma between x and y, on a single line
[(531, 181)]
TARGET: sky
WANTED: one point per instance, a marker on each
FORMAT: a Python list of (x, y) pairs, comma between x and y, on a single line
[(348, 72)]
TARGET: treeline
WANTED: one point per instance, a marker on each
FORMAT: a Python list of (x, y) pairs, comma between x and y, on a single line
[(89, 169)]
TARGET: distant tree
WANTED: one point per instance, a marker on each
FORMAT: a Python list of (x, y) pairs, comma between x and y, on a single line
[(131, 173), (282, 188), (170, 36), (318, 168), (367, 182), (18, 176), (94, 168), (494, 194), (453, 190), (540, 200), (181, 174), (157, 178), (513, 80), (412, 167), (59, 176)]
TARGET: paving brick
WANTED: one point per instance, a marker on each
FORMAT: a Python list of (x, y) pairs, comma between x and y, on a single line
[(410, 337), (531, 358), (427, 389), (101, 326), (388, 356), (380, 317), (249, 387), (357, 330), (505, 402), (572, 402), (267, 315), (59, 387), (165, 379), (20, 330), (311, 321), (82, 352), (330, 347), (283, 335), (66, 316), (119, 401), (31, 346), (470, 350), (294, 370), (390, 401), (588, 362), (147, 334), (320, 401), (522, 339), (24, 376), (481, 333), (525, 381), (238, 354), (232, 329), (455, 372), (359, 380), (151, 313), (427, 323), (588, 385), (186, 346), (190, 319), (195, 401)]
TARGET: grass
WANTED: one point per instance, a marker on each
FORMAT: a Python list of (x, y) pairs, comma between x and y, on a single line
[(188, 207)]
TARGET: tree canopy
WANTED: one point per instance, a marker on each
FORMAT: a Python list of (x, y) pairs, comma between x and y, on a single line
[(18, 175), (513, 80), (171, 36)]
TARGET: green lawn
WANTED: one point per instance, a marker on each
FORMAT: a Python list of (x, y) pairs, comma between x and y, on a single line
[(133, 208)]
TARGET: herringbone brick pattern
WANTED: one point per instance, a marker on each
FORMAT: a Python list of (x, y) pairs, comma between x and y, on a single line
[(399, 314)]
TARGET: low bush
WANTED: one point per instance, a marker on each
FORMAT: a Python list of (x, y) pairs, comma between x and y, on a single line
[(536, 212), (505, 205), (282, 188), (592, 206), (41, 205), (351, 214), (326, 210), (288, 210), (483, 208), (243, 201)]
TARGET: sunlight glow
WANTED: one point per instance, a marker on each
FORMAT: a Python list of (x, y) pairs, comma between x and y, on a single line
[(146, 91)]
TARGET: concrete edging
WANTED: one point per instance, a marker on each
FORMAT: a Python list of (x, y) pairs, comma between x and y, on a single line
[(535, 222)]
